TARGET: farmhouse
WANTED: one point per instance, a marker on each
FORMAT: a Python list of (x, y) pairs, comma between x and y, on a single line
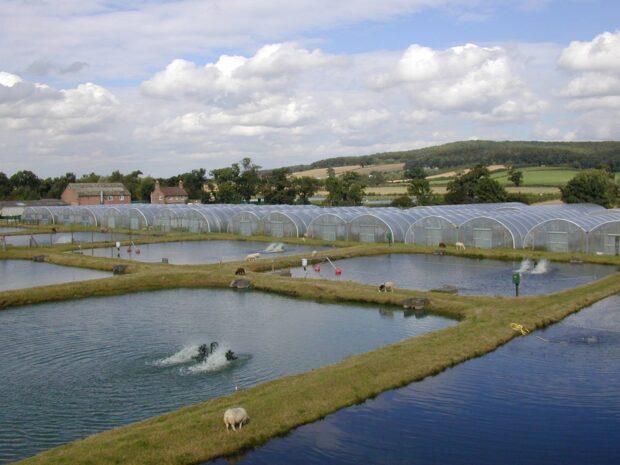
[(168, 195), (110, 193)]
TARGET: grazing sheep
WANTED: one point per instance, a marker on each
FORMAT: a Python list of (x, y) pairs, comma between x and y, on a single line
[(253, 257), (387, 286), (240, 271), (235, 416), (460, 246)]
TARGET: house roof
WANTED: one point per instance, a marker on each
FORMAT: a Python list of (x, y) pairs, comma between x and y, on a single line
[(174, 191), (89, 189)]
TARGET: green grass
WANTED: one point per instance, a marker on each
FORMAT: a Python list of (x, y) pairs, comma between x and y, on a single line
[(539, 176), (196, 433)]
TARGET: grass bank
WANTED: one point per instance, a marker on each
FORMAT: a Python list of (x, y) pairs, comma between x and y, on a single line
[(196, 433)]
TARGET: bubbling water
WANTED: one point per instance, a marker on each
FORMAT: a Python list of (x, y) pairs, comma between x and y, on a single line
[(526, 266), (187, 355), (542, 267)]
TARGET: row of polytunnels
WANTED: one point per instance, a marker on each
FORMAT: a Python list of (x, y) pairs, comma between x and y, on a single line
[(565, 228)]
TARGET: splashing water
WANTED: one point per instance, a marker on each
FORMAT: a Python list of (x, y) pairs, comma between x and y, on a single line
[(275, 247), (185, 355), (526, 266), (215, 361), (542, 267)]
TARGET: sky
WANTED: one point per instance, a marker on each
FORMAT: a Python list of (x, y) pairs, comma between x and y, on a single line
[(169, 86)]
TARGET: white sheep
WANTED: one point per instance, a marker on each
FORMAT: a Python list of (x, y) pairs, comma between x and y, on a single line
[(460, 246), (235, 416), (387, 286), (253, 257)]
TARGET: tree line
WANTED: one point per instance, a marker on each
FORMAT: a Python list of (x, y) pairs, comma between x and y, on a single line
[(579, 155), (237, 183)]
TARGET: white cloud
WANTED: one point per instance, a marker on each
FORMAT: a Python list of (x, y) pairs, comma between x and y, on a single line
[(468, 78), (235, 77), (592, 85), (600, 54), (593, 94)]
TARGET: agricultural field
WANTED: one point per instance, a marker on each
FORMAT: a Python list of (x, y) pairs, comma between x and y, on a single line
[(539, 176), (363, 170)]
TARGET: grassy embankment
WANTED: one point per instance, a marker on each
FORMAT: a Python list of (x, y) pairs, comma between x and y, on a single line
[(196, 433)]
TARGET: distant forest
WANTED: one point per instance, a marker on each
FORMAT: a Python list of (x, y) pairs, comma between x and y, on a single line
[(469, 153)]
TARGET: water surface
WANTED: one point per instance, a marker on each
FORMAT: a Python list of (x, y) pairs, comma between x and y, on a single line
[(551, 401), (75, 368), (470, 276), (196, 252), (19, 274), (67, 238), (9, 229)]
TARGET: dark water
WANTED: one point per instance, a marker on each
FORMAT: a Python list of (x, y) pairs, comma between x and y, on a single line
[(18, 274), (529, 402), (470, 276), (196, 252), (75, 368), (66, 238)]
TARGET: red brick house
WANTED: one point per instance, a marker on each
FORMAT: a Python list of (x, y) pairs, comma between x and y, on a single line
[(96, 193), (174, 194)]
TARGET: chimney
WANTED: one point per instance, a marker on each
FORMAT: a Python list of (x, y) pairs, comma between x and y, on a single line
[(157, 184), (181, 184)]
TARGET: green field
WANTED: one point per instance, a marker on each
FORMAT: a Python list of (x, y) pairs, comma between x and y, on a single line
[(539, 176), (534, 176)]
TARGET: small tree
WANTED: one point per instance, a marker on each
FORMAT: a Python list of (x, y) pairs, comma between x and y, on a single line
[(347, 189), (404, 201), (591, 186), (516, 177), (306, 188), (475, 186)]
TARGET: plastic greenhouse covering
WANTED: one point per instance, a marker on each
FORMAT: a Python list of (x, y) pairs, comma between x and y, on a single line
[(570, 228)]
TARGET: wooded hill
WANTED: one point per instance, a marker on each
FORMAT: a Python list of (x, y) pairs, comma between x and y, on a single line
[(469, 153)]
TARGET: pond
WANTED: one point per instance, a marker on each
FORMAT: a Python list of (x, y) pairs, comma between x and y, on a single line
[(85, 366), (550, 398), (470, 276), (196, 252), (9, 229), (18, 274), (66, 238)]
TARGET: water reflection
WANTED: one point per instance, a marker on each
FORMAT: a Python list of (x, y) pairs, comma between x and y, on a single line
[(549, 398), (19, 274), (469, 276), (196, 252), (85, 366)]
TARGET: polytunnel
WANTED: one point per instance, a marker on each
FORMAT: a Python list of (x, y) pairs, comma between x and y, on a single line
[(604, 233), (165, 218), (193, 220), (436, 224), (333, 224), (245, 223), (287, 222), (83, 216), (38, 215), (558, 235), (379, 225)]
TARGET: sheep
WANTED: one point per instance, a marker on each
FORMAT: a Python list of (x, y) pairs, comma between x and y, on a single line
[(235, 416), (387, 286), (240, 271), (460, 246), (253, 257), (314, 252)]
